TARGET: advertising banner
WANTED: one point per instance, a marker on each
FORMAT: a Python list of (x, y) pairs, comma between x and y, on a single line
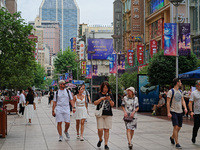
[(130, 55), (52, 83), (67, 77), (83, 67), (153, 47), (113, 63), (70, 76), (147, 94), (102, 47), (61, 77), (170, 39), (88, 72), (121, 63), (82, 50), (74, 45), (95, 70), (184, 39), (140, 53)]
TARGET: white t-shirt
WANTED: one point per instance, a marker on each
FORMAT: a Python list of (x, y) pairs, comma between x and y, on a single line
[(161, 101), (62, 105), (195, 97), (176, 104), (22, 98)]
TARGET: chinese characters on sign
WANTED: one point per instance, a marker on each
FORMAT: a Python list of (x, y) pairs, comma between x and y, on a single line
[(83, 67), (140, 50), (130, 57), (135, 17), (153, 47), (82, 48)]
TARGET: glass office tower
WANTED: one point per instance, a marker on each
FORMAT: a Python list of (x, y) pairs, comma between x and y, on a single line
[(67, 13)]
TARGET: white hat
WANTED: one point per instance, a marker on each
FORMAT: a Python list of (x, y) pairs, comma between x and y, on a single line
[(131, 89)]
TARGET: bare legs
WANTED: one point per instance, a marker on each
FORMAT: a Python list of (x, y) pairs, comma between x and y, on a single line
[(59, 127), (129, 134), (106, 135), (82, 126), (175, 133)]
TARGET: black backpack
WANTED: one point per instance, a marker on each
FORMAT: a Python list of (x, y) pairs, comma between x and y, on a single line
[(173, 95)]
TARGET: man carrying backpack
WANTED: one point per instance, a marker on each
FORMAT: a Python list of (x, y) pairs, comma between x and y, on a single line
[(175, 101), (61, 109)]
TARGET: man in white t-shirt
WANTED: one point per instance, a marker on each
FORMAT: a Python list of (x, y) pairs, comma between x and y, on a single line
[(195, 98), (61, 104), (175, 101)]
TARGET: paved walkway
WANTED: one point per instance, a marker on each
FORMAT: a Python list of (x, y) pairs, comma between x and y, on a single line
[(152, 133)]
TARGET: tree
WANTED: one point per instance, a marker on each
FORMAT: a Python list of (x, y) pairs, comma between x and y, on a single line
[(65, 62), (112, 82), (128, 80), (162, 69), (39, 75), (17, 62)]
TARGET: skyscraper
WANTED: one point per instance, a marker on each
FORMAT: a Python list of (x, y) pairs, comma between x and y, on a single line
[(67, 13)]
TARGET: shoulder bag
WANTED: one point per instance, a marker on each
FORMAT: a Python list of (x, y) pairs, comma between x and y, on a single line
[(98, 113)]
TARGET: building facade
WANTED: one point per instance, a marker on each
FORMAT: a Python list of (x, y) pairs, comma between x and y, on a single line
[(11, 5), (67, 13)]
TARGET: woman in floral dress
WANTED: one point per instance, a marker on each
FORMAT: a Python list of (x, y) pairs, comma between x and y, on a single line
[(130, 106)]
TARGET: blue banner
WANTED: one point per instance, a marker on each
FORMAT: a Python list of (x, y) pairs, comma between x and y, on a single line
[(102, 47), (78, 82), (147, 94), (61, 77), (67, 77)]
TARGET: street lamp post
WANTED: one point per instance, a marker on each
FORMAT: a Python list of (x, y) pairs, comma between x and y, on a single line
[(77, 66), (91, 53), (176, 3)]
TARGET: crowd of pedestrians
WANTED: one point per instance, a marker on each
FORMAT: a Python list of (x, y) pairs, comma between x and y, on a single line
[(61, 100)]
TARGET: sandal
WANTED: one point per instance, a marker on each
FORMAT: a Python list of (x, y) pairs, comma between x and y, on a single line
[(78, 136), (81, 139), (130, 146)]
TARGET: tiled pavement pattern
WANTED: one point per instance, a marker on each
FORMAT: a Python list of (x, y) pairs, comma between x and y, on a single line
[(152, 133)]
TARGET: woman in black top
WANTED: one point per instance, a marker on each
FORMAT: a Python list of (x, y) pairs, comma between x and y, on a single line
[(51, 95), (104, 123), (29, 111)]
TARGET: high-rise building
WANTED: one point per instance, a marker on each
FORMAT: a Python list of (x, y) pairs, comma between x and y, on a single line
[(67, 13)]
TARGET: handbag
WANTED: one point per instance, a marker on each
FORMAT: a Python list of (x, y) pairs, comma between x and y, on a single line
[(128, 119), (98, 113)]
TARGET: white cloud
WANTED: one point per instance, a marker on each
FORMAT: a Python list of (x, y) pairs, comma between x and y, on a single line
[(91, 11)]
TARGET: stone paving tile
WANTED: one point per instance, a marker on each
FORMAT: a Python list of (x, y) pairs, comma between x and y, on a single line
[(152, 133)]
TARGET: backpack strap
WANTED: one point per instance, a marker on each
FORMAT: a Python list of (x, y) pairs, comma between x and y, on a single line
[(172, 97), (68, 94), (57, 95)]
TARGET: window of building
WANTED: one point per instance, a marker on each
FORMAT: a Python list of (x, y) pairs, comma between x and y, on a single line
[(154, 29)]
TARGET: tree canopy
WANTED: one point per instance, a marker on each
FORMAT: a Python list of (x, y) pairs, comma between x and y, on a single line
[(162, 69)]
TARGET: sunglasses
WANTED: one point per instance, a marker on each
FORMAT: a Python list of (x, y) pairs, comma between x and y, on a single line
[(63, 84)]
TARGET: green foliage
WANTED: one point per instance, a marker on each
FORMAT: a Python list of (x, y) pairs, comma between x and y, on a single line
[(17, 62), (128, 80), (66, 62), (39, 76), (112, 82), (162, 69)]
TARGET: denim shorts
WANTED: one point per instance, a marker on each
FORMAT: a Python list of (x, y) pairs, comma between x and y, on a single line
[(177, 119)]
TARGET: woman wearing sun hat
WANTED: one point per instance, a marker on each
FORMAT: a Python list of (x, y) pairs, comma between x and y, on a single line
[(130, 106)]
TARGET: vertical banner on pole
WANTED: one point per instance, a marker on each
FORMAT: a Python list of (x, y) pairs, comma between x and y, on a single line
[(140, 53), (74, 44), (153, 47), (82, 49), (83, 67), (88, 71), (170, 39), (113, 63), (184, 39), (130, 55), (70, 76), (66, 77), (95, 71), (121, 63)]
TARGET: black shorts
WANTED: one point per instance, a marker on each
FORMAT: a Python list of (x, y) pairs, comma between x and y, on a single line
[(177, 119)]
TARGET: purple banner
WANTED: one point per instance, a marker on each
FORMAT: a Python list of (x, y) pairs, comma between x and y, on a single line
[(121, 63), (184, 39), (88, 72), (113, 63), (170, 39), (95, 70), (102, 47), (70, 76)]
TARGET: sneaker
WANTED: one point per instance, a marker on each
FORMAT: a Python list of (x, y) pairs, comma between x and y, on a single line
[(172, 140), (60, 139), (67, 135), (178, 146), (106, 147), (99, 143), (81, 139), (193, 140)]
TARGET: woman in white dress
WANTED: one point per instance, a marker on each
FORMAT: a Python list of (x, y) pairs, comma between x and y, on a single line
[(81, 111)]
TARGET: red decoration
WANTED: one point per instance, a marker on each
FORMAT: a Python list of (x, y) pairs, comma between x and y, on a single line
[(140, 53)]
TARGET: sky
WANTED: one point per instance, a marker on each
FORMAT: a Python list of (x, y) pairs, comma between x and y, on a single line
[(91, 11)]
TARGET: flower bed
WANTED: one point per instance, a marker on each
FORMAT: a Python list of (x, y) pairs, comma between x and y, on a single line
[(11, 103), (3, 122)]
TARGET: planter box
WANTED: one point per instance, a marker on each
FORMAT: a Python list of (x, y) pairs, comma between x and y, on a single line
[(11, 106), (3, 123)]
